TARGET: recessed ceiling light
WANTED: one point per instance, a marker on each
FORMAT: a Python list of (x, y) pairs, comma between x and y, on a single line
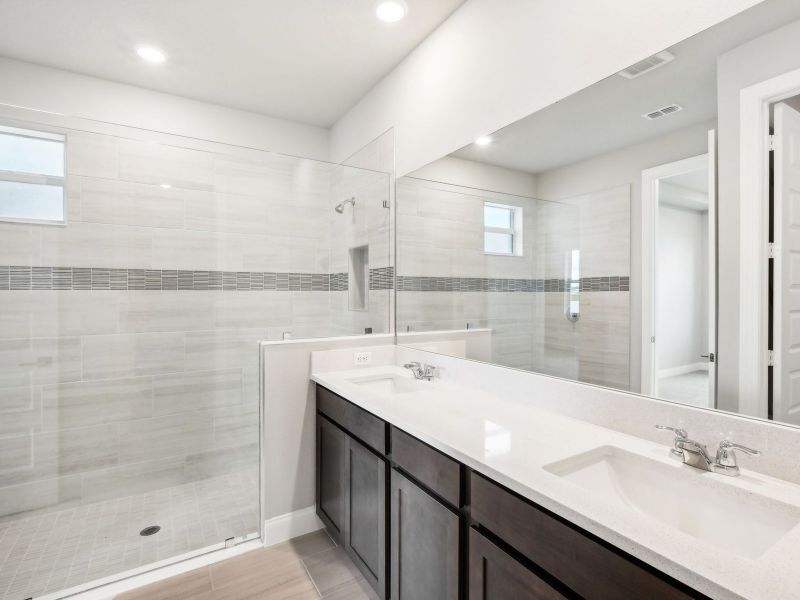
[(391, 11), (166, 186), (150, 54), (484, 140)]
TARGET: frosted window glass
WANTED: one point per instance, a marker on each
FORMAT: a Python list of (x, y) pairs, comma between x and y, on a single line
[(31, 201), (498, 243), (495, 216), (31, 155)]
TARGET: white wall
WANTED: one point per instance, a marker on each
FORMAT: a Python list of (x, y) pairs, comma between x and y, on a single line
[(470, 173), (618, 168), (758, 60), (681, 281), (42, 88), (492, 63)]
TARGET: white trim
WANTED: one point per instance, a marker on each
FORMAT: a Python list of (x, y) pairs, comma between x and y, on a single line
[(754, 102), (285, 527), (682, 369), (650, 179)]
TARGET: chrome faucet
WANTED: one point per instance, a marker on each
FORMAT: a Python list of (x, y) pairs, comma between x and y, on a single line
[(420, 371), (696, 454)]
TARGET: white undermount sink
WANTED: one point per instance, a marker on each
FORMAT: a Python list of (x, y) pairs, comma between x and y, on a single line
[(692, 501), (389, 384)]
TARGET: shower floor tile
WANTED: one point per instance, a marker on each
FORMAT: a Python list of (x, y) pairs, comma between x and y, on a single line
[(52, 551)]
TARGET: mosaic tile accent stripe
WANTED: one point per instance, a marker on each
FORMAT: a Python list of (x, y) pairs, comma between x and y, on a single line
[(407, 283), (81, 278), (382, 278)]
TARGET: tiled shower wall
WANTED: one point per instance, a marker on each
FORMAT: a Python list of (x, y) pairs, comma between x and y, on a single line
[(128, 354), (445, 281)]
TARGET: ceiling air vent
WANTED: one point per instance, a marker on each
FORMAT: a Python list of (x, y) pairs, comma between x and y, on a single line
[(662, 112), (648, 64)]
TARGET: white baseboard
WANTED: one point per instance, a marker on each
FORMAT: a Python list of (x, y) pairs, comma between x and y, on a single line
[(285, 527), (682, 369)]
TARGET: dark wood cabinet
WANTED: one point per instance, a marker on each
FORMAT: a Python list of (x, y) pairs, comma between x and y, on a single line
[(422, 526), (496, 575), (365, 512), (424, 544), (331, 447)]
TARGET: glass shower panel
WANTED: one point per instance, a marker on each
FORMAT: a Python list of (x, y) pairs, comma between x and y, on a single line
[(129, 412), (512, 305)]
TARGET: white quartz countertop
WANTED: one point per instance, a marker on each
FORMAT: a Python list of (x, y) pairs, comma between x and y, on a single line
[(510, 442)]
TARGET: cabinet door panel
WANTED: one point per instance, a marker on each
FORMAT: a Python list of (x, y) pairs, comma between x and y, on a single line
[(495, 575), (424, 544), (331, 477), (365, 474)]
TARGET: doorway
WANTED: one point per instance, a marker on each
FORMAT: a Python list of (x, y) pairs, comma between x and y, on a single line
[(679, 280)]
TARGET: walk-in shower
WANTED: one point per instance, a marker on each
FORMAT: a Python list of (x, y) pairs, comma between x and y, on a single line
[(129, 409)]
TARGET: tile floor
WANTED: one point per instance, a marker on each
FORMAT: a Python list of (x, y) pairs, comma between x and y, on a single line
[(310, 567), (51, 551), (688, 388)]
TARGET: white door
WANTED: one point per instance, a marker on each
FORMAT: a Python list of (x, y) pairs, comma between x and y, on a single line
[(712, 268), (786, 266)]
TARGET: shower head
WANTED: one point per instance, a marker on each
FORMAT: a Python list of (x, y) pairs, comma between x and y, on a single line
[(339, 208)]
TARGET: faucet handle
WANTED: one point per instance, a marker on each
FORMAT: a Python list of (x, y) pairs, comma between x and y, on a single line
[(412, 365), (676, 451), (676, 430), (729, 445), (726, 457)]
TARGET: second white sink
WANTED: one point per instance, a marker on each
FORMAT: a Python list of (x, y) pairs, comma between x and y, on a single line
[(694, 502), (388, 385)]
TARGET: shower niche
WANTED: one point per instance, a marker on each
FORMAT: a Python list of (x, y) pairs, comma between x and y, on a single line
[(358, 278)]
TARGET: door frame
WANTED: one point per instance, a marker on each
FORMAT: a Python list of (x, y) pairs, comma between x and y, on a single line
[(754, 112), (650, 189)]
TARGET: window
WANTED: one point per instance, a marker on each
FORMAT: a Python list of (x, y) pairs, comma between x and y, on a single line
[(502, 229), (31, 176)]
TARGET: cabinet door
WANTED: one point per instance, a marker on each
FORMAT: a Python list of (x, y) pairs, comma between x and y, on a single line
[(331, 477), (495, 575), (365, 474), (424, 544)]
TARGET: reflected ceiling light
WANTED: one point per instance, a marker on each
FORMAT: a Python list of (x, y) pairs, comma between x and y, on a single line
[(151, 54), (166, 186), (391, 11), (484, 140)]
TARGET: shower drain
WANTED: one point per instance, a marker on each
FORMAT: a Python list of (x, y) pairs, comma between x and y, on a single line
[(153, 529)]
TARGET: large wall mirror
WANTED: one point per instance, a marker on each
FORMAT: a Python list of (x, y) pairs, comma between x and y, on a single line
[(642, 234)]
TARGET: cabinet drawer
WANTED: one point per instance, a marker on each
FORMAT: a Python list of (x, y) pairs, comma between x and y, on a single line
[(588, 567), (366, 427), (495, 575), (440, 473)]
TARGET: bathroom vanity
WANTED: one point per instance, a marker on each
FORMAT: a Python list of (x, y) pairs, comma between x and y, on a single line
[(457, 488), (420, 524)]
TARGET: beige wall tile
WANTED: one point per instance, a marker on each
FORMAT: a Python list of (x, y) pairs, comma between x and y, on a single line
[(43, 360), (128, 355), (92, 154), (43, 313), (167, 310), (164, 436), (196, 390), (144, 162), (20, 244), (84, 403)]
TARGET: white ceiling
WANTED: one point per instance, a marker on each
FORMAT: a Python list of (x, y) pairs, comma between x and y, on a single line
[(305, 60), (607, 115)]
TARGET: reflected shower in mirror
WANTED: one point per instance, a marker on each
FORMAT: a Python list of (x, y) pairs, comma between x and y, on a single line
[(607, 239)]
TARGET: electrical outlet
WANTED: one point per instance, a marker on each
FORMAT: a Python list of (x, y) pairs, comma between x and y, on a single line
[(362, 358)]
